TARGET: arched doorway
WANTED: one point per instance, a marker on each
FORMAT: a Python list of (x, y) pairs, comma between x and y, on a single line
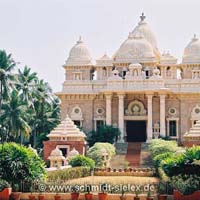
[(136, 122)]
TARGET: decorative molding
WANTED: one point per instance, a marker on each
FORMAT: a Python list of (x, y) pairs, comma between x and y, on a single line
[(135, 108)]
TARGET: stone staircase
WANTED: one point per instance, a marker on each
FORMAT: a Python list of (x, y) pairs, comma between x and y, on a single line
[(121, 148), (133, 154)]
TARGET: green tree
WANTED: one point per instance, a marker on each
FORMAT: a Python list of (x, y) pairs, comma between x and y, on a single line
[(105, 133), (47, 111), (14, 117), (18, 163), (26, 84), (7, 64)]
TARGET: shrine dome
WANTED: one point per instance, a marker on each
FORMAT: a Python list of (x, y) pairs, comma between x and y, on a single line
[(79, 55), (135, 49), (192, 52)]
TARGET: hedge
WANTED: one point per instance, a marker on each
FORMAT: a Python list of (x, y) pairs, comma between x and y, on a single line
[(81, 161), (68, 174)]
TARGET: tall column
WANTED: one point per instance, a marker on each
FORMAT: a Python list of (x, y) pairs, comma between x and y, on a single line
[(108, 109), (121, 116), (149, 124), (162, 115)]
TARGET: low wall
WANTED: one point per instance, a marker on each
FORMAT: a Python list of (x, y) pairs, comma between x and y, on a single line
[(142, 172)]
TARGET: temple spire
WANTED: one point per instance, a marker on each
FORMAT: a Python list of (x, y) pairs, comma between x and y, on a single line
[(142, 17)]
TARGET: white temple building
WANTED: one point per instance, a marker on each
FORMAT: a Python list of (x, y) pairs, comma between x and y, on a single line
[(140, 90)]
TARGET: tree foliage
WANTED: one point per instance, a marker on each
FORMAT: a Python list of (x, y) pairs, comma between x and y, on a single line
[(95, 152), (28, 106), (18, 163), (81, 161), (107, 134)]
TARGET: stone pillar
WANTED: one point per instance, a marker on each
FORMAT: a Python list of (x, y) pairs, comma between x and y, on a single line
[(162, 115), (149, 123), (108, 109), (121, 116)]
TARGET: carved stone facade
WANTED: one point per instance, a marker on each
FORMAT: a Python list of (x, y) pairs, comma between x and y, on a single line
[(137, 85)]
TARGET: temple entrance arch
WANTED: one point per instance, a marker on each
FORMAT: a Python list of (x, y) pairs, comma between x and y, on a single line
[(136, 122)]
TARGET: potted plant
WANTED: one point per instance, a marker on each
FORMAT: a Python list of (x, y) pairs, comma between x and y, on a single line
[(88, 195), (31, 196), (57, 197), (74, 193), (41, 196), (137, 192), (149, 197), (162, 194), (15, 195), (102, 195), (123, 197), (5, 190)]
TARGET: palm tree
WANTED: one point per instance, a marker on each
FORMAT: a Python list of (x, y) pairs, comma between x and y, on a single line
[(47, 110), (6, 65), (15, 117), (26, 83)]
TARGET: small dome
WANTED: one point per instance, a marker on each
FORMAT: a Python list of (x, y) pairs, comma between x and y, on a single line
[(79, 55), (32, 149), (192, 51), (167, 59), (104, 152), (105, 60), (56, 152), (73, 152), (135, 49)]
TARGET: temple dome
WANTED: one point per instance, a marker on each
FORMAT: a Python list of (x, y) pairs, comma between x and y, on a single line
[(144, 29), (79, 54), (192, 51), (73, 152), (56, 152), (135, 49)]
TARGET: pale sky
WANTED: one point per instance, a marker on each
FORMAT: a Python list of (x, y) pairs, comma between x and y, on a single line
[(40, 33)]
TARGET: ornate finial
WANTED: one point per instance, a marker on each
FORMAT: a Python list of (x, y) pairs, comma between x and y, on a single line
[(195, 38), (79, 40), (142, 17)]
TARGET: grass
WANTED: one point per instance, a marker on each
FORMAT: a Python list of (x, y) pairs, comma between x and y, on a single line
[(114, 180)]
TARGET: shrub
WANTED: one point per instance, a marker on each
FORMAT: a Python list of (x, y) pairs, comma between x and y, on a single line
[(18, 163), (160, 157), (81, 161), (67, 174), (105, 134), (95, 152), (192, 153), (183, 163), (4, 184), (159, 146), (186, 184)]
